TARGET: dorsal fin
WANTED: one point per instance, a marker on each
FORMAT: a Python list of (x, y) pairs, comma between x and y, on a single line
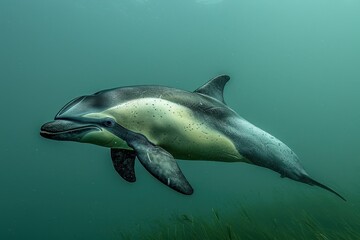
[(215, 87)]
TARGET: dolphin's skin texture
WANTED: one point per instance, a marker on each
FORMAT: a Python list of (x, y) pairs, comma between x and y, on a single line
[(159, 124)]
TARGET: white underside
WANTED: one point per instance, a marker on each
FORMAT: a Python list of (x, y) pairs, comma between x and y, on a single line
[(169, 125)]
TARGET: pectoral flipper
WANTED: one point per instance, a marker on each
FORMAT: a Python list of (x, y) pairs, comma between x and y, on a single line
[(155, 159), (163, 166), (124, 161)]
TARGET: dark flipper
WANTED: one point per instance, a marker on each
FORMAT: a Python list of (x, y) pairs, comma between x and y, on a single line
[(163, 166), (159, 163), (156, 160), (124, 161)]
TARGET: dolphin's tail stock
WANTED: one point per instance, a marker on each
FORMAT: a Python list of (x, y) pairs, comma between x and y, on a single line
[(308, 180)]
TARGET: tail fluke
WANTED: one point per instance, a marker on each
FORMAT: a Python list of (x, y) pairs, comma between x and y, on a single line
[(312, 182)]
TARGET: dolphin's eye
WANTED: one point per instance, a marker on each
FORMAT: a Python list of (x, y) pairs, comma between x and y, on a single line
[(109, 122)]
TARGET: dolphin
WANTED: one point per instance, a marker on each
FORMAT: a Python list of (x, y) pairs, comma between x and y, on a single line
[(159, 124)]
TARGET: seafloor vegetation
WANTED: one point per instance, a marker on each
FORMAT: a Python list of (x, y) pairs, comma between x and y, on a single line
[(315, 219)]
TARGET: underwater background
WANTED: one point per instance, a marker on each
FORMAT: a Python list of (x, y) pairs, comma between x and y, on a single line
[(295, 72)]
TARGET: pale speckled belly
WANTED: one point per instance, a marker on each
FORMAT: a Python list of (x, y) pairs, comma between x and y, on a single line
[(175, 128)]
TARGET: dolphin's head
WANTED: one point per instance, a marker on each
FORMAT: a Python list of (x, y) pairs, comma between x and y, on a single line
[(84, 120)]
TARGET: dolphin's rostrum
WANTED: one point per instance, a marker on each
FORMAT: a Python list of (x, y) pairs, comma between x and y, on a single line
[(158, 124)]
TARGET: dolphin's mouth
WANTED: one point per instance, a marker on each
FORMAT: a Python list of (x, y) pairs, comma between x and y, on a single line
[(79, 129), (66, 130)]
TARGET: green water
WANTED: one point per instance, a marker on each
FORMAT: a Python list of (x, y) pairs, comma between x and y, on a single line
[(295, 69)]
